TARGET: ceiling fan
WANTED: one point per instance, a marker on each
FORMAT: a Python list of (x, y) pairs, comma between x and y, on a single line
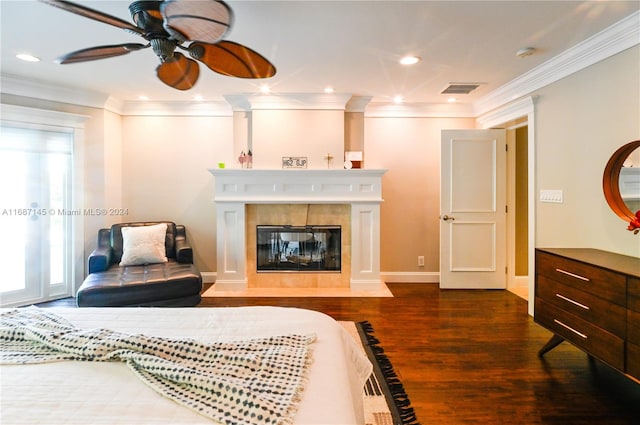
[(194, 26)]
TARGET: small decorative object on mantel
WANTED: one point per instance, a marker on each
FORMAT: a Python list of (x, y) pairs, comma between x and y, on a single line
[(328, 157), (634, 225), (353, 158), (294, 162), (246, 159)]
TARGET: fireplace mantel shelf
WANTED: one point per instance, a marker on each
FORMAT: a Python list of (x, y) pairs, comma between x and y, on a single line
[(297, 185), (318, 172)]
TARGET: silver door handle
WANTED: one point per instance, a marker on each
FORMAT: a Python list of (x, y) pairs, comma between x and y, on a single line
[(447, 218)]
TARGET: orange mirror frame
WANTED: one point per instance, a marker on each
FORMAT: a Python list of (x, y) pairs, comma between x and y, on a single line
[(611, 178)]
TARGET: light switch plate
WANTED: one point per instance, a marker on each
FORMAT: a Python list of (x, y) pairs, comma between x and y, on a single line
[(554, 196)]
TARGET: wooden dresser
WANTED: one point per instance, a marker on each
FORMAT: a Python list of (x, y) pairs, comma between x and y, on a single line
[(591, 298)]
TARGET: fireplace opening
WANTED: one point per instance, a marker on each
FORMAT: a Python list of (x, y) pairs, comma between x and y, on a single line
[(298, 248)]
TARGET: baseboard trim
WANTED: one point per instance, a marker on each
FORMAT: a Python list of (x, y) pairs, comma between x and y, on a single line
[(403, 277), (208, 277), (366, 285), (411, 277), (521, 282)]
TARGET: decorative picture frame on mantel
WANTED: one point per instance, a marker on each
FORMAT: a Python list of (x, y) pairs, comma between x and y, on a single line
[(294, 162), (353, 159)]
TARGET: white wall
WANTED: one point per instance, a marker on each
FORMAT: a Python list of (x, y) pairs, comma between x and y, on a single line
[(165, 174), (581, 121), (307, 133), (113, 162), (410, 149)]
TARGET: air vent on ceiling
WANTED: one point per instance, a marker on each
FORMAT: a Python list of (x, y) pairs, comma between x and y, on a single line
[(460, 88)]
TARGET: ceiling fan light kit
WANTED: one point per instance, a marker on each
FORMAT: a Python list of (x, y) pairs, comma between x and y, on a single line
[(164, 48), (167, 25)]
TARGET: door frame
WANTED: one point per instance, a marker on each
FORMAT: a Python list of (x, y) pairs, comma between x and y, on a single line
[(522, 110), (516, 284)]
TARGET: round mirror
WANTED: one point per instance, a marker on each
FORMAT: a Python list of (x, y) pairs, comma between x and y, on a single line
[(621, 181)]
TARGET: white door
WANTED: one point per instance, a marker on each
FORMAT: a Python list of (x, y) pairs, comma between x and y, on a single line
[(473, 209), (35, 215)]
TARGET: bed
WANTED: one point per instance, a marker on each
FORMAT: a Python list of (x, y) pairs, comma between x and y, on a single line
[(81, 392)]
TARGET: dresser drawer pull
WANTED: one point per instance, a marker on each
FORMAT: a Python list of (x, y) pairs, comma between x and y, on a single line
[(577, 276), (580, 334), (586, 307)]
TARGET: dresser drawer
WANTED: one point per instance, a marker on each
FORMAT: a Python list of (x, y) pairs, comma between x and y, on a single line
[(633, 302), (599, 312), (596, 341), (585, 277), (633, 360), (633, 326)]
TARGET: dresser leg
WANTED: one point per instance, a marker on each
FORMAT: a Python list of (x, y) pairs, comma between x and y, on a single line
[(553, 342)]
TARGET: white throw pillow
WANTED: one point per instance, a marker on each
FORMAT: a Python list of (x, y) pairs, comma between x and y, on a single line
[(143, 245)]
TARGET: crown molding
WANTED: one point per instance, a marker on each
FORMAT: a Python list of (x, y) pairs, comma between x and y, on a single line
[(18, 86), (190, 108), (506, 113), (420, 110), (42, 116), (357, 103), (114, 105), (301, 101), (618, 37)]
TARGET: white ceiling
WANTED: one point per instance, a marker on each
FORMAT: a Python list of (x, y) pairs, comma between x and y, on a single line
[(353, 46)]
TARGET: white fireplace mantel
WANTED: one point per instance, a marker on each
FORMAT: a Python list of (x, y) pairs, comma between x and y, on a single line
[(235, 188)]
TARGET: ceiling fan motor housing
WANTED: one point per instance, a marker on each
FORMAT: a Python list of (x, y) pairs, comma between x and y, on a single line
[(146, 15)]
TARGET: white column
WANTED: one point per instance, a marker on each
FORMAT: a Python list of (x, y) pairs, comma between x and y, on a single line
[(231, 245), (365, 246)]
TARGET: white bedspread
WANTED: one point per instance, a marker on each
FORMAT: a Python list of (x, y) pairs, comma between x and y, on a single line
[(96, 393)]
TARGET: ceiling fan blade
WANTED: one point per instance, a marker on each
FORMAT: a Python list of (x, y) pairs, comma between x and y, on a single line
[(180, 72), (99, 52), (233, 59), (204, 20), (94, 14)]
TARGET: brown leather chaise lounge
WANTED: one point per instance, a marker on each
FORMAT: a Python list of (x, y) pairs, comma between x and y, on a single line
[(121, 272)]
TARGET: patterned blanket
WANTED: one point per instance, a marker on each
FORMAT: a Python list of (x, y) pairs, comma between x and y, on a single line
[(257, 381)]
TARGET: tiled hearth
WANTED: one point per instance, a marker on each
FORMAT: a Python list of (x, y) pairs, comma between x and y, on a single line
[(302, 190)]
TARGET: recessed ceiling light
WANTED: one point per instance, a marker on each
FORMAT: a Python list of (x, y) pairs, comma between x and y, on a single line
[(265, 89), (27, 57), (452, 100), (198, 98), (410, 60), (398, 99), (328, 89), (143, 97)]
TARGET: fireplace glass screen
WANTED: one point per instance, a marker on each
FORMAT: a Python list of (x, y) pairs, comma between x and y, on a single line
[(298, 248)]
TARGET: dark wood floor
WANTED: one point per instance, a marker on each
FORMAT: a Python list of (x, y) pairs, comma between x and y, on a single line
[(470, 357)]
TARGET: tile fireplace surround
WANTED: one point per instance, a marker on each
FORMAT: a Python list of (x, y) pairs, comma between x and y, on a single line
[(234, 189)]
